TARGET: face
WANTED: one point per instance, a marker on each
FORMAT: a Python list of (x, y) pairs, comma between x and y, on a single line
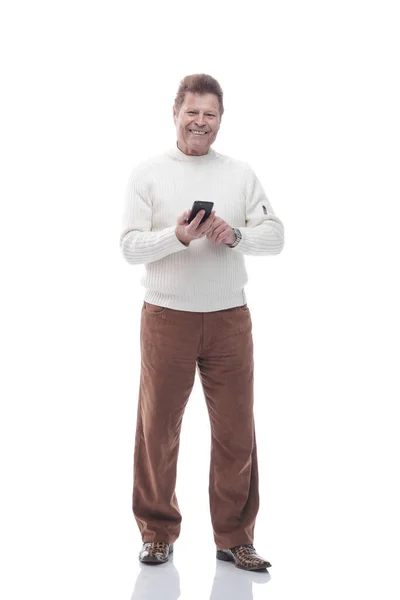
[(197, 123)]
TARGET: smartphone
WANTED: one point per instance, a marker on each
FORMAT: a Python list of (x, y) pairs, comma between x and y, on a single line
[(200, 205)]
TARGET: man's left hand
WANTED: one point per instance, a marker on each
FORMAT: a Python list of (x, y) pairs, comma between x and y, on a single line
[(221, 232)]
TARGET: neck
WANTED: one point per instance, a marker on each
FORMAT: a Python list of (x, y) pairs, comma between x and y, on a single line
[(178, 154), (192, 152)]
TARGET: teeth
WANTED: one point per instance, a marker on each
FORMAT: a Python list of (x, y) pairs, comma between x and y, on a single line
[(198, 132)]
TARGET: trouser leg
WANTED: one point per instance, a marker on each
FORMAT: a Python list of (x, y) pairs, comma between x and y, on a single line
[(168, 366), (226, 370)]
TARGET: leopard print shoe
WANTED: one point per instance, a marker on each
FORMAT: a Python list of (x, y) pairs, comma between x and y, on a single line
[(245, 557), (155, 552)]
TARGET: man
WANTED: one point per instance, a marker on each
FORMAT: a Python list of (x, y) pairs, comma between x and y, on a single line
[(195, 315)]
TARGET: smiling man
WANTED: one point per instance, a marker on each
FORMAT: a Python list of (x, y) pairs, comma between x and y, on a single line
[(197, 123), (195, 316)]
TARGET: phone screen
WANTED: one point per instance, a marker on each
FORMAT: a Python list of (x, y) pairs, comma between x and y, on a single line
[(200, 205)]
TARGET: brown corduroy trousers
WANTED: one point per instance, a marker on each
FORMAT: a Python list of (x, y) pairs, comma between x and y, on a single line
[(172, 343)]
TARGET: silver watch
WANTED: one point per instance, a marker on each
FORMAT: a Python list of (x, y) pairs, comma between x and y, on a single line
[(238, 235)]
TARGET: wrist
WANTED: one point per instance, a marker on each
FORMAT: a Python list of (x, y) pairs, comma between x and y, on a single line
[(181, 239)]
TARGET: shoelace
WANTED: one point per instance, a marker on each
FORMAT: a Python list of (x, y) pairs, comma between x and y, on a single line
[(250, 546), (156, 546)]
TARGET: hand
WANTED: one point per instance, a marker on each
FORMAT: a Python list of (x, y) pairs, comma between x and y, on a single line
[(186, 232), (220, 231)]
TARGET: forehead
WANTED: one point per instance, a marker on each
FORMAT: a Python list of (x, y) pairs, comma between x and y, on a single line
[(201, 102)]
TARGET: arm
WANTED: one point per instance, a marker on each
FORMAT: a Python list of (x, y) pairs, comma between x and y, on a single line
[(264, 232), (138, 243)]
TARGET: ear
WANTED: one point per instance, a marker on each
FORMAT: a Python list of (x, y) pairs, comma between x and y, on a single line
[(174, 114)]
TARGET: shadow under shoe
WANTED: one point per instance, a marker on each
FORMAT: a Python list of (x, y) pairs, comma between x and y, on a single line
[(155, 553), (245, 557)]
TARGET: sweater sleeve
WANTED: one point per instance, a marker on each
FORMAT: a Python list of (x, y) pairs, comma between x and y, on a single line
[(264, 232), (139, 244)]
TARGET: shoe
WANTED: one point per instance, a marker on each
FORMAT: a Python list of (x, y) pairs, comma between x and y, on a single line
[(245, 557), (155, 552)]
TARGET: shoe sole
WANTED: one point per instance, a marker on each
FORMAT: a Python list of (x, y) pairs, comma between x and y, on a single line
[(153, 560), (221, 555)]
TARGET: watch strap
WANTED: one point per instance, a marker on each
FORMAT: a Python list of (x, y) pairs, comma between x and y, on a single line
[(238, 235)]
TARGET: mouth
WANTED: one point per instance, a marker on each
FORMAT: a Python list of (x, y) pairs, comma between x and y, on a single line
[(197, 132)]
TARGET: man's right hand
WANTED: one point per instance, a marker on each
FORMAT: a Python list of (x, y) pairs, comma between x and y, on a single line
[(186, 232)]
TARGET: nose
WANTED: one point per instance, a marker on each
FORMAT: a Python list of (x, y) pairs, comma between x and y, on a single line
[(200, 120)]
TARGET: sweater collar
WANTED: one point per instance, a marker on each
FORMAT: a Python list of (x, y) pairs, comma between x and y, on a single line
[(179, 155)]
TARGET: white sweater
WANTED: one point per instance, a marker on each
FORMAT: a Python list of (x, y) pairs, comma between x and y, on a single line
[(203, 276)]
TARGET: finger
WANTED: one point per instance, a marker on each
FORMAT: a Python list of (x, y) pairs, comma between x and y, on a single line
[(211, 224), (223, 237), (199, 216), (208, 231), (218, 232), (194, 223)]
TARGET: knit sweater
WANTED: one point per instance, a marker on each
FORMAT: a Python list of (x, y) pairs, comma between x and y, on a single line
[(203, 276)]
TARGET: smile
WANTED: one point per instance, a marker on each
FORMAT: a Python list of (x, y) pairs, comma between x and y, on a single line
[(198, 132)]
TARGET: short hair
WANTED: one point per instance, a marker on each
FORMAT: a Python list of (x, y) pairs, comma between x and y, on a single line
[(199, 84)]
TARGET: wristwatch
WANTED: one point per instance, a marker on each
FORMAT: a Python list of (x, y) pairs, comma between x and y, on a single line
[(238, 235)]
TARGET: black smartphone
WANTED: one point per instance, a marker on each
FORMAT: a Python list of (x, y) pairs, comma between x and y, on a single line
[(200, 205)]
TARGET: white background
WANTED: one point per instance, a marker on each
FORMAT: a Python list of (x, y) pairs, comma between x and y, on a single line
[(311, 102)]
